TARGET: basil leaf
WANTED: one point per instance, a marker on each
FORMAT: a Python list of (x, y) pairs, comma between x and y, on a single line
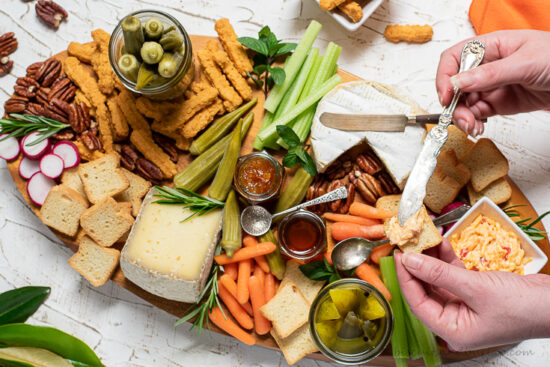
[(309, 165), (288, 135), (264, 32), (290, 159), (278, 74), (19, 304), (254, 44), (284, 48)]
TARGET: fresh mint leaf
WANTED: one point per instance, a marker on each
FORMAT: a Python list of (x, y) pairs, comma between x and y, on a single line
[(259, 69), (258, 82), (309, 165), (288, 135), (290, 159), (254, 44), (284, 48), (264, 33), (271, 43), (317, 270), (278, 74)]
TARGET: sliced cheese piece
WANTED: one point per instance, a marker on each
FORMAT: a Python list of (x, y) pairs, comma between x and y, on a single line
[(398, 150), (168, 257)]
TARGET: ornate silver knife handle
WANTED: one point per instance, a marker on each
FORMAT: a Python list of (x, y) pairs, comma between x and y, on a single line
[(338, 194)]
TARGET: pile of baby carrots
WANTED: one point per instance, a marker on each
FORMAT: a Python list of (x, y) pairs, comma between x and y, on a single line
[(244, 287)]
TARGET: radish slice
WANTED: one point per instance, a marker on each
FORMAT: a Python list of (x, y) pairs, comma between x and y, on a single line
[(9, 148), (38, 188), (51, 165), (28, 167), (451, 206), (37, 150), (439, 228), (68, 152)]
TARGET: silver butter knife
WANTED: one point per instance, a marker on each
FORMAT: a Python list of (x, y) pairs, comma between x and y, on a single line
[(415, 188)]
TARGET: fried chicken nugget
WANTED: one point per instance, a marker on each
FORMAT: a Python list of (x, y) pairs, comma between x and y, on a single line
[(202, 119), (82, 78), (234, 48), (150, 150), (100, 62), (127, 104), (85, 153), (230, 71), (408, 33), (153, 109), (80, 97), (180, 141), (231, 98), (82, 51), (330, 4), (120, 124), (177, 119), (353, 10)]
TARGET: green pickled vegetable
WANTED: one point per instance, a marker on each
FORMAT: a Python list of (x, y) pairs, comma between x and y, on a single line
[(169, 65), (19, 304), (224, 175), (153, 29), (219, 128), (232, 233), (275, 259), (151, 52), (129, 66), (146, 76), (172, 40), (203, 167), (295, 191), (133, 35)]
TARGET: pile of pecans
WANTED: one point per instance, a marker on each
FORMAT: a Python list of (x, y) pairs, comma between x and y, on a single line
[(365, 174), (8, 44), (131, 160), (46, 91)]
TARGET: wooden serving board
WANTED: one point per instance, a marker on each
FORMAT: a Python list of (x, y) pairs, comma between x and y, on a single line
[(178, 308)]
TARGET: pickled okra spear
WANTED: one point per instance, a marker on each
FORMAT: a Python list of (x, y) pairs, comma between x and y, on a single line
[(151, 52), (129, 66), (232, 236), (275, 259), (170, 63), (294, 192), (133, 35), (171, 40), (146, 75), (224, 175), (153, 29)]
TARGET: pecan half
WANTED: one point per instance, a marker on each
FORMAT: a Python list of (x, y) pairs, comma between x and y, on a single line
[(5, 64), (35, 109), (32, 70), (369, 163), (49, 71), (351, 197), (339, 169), (369, 187), (42, 95), (65, 134), (57, 110), (62, 89), (8, 43), (26, 87), (90, 140), (167, 145), (78, 118), (16, 104), (334, 205), (128, 157), (50, 12), (387, 183), (148, 170)]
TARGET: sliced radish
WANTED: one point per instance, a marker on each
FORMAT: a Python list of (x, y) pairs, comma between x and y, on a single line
[(447, 208), (28, 167), (51, 165), (9, 147), (68, 152), (37, 150), (38, 188)]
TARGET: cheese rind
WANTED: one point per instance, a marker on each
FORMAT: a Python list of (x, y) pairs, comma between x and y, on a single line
[(398, 150), (168, 257)]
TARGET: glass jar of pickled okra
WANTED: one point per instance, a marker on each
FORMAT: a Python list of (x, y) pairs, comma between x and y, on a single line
[(258, 177), (151, 53), (350, 321), (302, 235)]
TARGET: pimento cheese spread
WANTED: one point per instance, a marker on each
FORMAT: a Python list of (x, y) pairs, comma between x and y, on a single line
[(409, 234)]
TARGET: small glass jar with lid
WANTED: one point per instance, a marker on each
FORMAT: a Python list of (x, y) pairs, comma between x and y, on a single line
[(258, 177)]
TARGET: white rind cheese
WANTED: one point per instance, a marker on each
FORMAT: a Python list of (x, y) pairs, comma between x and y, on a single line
[(398, 150), (167, 257)]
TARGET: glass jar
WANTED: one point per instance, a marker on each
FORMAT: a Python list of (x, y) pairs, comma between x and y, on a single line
[(302, 235), (258, 177), (386, 321), (165, 88)]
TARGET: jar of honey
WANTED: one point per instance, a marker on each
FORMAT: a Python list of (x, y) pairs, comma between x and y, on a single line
[(302, 235), (258, 177)]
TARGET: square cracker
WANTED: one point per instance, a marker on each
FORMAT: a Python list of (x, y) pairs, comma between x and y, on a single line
[(102, 178)]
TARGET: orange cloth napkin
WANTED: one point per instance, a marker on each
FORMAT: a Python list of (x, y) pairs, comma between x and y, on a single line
[(493, 15)]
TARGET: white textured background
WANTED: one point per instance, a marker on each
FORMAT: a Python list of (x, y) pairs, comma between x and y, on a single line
[(126, 331)]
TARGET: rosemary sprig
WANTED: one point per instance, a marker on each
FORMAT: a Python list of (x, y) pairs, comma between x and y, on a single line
[(198, 204), (21, 125), (533, 233)]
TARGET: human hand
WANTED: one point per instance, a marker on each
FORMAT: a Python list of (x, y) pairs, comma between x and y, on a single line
[(514, 77), (469, 309)]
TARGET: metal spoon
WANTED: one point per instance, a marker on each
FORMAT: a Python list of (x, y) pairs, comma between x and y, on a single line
[(351, 253), (256, 220)]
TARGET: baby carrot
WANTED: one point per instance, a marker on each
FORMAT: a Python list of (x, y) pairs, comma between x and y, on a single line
[(235, 308), (269, 286), (369, 275), (242, 281), (350, 219), (246, 253), (231, 270), (248, 308), (257, 297), (342, 230), (380, 251), (259, 273), (251, 241), (367, 211), (229, 284), (227, 325)]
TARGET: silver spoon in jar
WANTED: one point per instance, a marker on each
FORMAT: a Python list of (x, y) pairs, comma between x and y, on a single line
[(256, 220), (349, 254)]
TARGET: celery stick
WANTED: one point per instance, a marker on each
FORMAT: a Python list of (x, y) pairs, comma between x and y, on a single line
[(311, 77), (399, 344), (303, 105), (326, 70), (414, 348), (426, 339), (292, 65), (268, 120)]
